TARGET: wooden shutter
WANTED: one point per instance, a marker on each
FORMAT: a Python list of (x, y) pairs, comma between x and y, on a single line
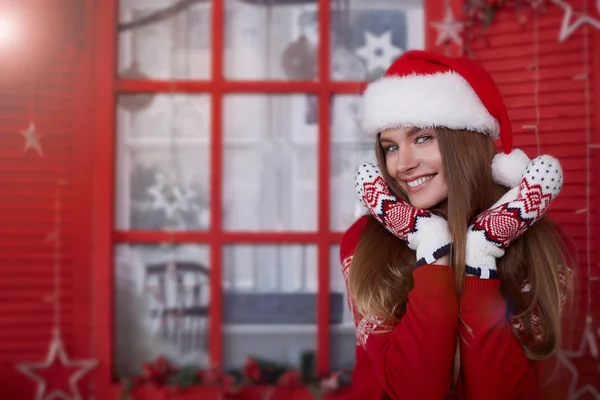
[(58, 103)]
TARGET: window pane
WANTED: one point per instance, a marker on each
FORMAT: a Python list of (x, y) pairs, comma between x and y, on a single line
[(367, 36), (163, 162), (342, 336), (266, 40), (269, 303), (162, 305), (350, 146), (270, 163), (157, 41)]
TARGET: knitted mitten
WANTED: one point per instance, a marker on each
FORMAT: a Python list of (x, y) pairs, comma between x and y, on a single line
[(494, 229), (425, 232)]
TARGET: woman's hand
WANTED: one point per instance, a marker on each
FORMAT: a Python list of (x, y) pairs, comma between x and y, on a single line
[(494, 229), (425, 232)]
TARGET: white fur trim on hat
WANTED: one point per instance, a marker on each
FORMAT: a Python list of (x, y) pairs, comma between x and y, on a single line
[(425, 101), (508, 169)]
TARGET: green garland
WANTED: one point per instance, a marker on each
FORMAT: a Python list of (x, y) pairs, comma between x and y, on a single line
[(256, 372), (479, 15)]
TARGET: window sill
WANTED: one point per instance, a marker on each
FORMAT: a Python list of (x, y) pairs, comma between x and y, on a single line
[(284, 329), (214, 393)]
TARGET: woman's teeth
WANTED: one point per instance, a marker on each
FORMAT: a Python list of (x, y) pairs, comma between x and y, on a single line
[(419, 181)]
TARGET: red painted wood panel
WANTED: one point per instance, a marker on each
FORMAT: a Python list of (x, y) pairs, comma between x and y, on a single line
[(567, 129), (59, 105)]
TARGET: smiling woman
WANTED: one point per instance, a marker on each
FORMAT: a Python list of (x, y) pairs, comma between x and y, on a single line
[(423, 268), (413, 160)]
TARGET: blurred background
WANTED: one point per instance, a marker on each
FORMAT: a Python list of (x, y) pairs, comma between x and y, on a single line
[(176, 176)]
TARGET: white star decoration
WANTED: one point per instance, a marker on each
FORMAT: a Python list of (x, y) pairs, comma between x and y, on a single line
[(169, 197), (588, 340), (32, 139), (56, 352), (568, 27), (448, 29), (378, 51)]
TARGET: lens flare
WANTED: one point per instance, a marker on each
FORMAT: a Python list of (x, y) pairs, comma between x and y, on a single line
[(8, 29)]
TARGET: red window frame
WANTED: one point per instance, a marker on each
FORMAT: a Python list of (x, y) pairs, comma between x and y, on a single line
[(107, 86), (105, 235)]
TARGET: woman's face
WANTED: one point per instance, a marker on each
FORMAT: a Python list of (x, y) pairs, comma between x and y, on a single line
[(413, 159)]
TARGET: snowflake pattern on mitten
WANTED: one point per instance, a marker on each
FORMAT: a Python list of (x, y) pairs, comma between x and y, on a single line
[(540, 184), (397, 216), (424, 231), (494, 229)]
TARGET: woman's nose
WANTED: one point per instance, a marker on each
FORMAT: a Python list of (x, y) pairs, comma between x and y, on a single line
[(406, 160)]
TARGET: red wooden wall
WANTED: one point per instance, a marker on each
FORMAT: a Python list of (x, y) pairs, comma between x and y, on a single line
[(60, 103), (565, 112), (64, 103), (561, 104)]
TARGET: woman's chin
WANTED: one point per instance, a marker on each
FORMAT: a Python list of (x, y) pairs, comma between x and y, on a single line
[(422, 204), (423, 201)]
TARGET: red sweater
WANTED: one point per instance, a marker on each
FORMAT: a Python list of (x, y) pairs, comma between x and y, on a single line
[(415, 360)]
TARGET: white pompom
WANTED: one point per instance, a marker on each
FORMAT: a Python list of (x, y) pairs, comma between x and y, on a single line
[(508, 169)]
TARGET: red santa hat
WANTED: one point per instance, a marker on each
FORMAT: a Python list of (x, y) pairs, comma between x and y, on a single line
[(427, 90)]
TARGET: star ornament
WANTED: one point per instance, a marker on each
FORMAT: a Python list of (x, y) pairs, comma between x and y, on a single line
[(32, 139), (57, 360), (570, 24), (379, 51), (566, 357), (169, 197), (448, 29)]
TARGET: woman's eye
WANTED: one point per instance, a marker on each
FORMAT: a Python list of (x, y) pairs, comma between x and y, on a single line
[(392, 147), (423, 139)]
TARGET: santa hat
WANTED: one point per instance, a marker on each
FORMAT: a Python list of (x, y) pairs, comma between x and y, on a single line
[(427, 90)]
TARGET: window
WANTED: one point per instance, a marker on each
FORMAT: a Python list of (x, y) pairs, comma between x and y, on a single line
[(234, 156)]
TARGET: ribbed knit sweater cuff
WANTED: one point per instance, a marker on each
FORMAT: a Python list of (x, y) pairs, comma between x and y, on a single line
[(481, 295), (434, 281)]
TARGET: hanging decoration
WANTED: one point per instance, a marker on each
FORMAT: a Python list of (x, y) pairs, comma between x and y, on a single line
[(34, 34), (134, 102), (574, 20), (449, 29), (566, 357), (379, 51), (479, 14), (169, 197), (32, 139), (299, 60), (57, 358)]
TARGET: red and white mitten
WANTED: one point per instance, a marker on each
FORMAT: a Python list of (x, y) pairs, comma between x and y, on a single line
[(494, 229), (425, 232)]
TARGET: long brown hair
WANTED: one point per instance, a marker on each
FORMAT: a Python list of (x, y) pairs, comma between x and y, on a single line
[(380, 275)]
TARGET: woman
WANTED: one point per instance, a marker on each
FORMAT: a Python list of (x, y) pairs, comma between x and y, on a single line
[(434, 271)]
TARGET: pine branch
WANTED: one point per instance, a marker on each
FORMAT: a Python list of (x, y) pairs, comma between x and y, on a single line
[(159, 15), (183, 5)]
